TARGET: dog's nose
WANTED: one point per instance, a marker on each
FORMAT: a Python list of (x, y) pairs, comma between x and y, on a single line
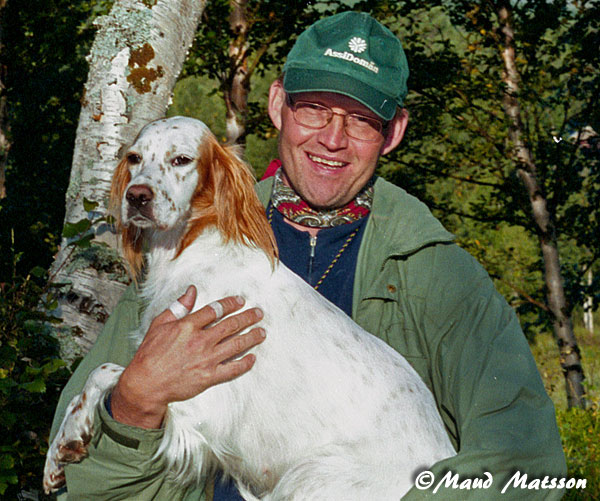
[(139, 195)]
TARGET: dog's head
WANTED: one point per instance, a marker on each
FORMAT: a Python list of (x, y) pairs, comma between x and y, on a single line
[(177, 178)]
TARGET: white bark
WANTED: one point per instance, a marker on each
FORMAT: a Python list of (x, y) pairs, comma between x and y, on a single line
[(136, 57), (237, 88), (588, 304)]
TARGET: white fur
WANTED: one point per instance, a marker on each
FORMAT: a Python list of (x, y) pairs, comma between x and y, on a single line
[(328, 412)]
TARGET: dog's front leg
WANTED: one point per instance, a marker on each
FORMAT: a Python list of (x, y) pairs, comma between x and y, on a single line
[(76, 430)]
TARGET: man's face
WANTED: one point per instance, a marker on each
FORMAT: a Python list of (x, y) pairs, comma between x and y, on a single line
[(326, 167)]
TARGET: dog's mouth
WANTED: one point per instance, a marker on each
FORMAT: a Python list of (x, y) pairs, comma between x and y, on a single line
[(142, 218)]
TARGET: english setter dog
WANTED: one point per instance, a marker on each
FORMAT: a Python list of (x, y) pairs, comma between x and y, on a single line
[(328, 411)]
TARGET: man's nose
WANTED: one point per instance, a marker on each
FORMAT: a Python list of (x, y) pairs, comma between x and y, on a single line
[(333, 135)]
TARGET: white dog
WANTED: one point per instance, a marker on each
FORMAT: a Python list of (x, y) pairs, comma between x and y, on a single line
[(328, 412)]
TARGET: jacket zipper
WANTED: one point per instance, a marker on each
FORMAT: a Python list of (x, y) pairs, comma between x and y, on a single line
[(313, 245)]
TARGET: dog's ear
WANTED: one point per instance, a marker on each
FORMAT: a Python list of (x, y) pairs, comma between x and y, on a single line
[(131, 237), (226, 198)]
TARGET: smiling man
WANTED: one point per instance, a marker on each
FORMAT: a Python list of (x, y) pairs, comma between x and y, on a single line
[(370, 248)]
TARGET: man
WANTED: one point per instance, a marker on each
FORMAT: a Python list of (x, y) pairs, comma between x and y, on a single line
[(370, 248)]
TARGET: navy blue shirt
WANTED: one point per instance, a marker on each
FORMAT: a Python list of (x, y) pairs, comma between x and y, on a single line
[(310, 258)]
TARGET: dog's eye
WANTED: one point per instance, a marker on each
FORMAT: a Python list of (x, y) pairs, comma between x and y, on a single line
[(180, 160), (134, 158)]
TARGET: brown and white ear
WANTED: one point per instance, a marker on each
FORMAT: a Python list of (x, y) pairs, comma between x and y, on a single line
[(131, 238), (240, 215)]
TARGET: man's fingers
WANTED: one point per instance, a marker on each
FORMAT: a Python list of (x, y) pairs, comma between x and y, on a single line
[(235, 324), (179, 308), (189, 298), (234, 368), (235, 346), (216, 310)]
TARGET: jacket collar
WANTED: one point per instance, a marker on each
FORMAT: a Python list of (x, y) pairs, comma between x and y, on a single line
[(399, 223)]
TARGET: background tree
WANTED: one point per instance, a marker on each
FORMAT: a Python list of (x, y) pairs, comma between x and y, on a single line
[(241, 39), (467, 146), (135, 60)]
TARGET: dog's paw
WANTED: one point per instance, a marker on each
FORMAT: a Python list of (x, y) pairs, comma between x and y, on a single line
[(71, 443), (54, 475), (77, 428)]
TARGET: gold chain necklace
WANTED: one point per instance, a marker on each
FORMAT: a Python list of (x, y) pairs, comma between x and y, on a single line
[(335, 259)]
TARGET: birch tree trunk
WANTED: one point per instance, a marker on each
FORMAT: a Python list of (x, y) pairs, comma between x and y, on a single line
[(237, 86), (588, 305), (137, 54), (570, 359)]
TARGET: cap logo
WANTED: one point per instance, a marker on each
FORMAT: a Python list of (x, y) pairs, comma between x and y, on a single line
[(357, 44)]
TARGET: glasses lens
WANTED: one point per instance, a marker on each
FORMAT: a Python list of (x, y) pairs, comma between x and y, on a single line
[(317, 116), (312, 114), (365, 128)]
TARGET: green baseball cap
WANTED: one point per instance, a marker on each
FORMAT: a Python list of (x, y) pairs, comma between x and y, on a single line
[(352, 54)]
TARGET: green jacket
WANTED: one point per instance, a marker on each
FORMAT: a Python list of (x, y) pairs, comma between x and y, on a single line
[(432, 302)]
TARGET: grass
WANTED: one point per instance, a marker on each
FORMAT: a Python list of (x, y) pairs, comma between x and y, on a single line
[(545, 352), (579, 429)]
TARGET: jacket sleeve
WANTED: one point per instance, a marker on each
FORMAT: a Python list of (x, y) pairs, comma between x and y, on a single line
[(121, 462), (489, 391)]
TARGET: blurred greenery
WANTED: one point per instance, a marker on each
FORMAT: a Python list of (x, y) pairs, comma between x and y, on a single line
[(580, 430), (456, 153), (31, 378), (44, 47)]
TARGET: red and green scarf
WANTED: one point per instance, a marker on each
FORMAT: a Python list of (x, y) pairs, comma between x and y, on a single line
[(289, 203)]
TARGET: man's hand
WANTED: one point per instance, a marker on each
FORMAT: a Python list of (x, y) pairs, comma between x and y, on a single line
[(178, 359)]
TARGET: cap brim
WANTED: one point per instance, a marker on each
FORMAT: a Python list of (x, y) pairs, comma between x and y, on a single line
[(304, 80)]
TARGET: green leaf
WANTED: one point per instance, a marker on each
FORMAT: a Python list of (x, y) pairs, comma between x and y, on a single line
[(85, 242), (73, 229), (35, 386), (6, 462), (89, 205), (52, 366), (38, 271), (8, 420)]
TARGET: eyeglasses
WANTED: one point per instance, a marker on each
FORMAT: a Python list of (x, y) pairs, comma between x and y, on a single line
[(317, 116)]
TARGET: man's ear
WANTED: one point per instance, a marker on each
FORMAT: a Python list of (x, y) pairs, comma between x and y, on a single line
[(395, 131), (276, 102)]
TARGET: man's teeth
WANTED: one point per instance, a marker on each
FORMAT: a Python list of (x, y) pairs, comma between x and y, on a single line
[(329, 163)]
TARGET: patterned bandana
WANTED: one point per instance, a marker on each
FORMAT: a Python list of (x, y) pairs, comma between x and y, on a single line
[(286, 201)]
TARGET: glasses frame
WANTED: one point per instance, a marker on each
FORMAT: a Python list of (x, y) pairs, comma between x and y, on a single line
[(381, 127)]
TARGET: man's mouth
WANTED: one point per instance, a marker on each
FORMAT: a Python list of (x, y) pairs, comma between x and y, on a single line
[(328, 164)]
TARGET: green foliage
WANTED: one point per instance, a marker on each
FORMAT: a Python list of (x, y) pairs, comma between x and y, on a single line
[(273, 27), (197, 97), (456, 154), (31, 377), (44, 47), (580, 430)]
